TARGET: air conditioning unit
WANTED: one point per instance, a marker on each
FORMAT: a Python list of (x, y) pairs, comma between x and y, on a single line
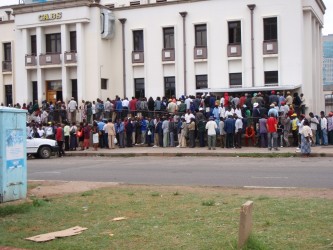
[(107, 24)]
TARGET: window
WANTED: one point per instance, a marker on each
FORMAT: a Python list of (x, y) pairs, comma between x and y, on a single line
[(7, 47), (201, 81), (235, 36), (139, 86), (74, 89), (9, 94), (104, 83), (168, 38), (72, 41), (271, 77), (138, 40), (53, 43), (34, 90), (270, 29), (200, 35), (170, 86), (33, 45), (235, 79)]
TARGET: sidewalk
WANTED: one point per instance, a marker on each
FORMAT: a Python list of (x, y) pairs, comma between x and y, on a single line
[(136, 151)]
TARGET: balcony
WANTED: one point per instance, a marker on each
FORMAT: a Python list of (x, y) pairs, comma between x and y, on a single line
[(168, 55), (270, 47), (70, 57), (200, 53), (138, 57), (30, 60), (6, 66), (49, 59), (234, 50)]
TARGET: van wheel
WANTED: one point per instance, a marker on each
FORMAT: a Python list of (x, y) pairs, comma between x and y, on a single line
[(44, 152)]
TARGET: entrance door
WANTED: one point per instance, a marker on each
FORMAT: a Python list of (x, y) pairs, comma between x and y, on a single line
[(52, 96), (54, 91)]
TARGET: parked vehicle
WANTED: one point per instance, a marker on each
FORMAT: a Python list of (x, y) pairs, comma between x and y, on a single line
[(41, 148)]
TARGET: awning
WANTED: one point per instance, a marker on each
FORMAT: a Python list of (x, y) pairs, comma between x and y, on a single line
[(249, 89)]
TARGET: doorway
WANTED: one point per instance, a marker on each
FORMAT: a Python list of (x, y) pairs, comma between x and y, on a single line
[(54, 91)]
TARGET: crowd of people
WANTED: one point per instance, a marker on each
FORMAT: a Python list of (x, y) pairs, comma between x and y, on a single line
[(268, 120)]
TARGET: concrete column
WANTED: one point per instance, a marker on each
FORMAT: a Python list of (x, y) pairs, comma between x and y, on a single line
[(81, 82), (22, 94), (40, 38), (64, 75)]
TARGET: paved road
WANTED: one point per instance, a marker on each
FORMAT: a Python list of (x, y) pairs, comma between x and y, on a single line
[(206, 171)]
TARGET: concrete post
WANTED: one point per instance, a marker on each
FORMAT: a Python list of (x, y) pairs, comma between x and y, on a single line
[(245, 223)]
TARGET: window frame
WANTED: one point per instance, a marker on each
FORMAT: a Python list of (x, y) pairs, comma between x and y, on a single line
[(236, 79), (138, 41), (270, 29), (138, 81), (104, 83), (171, 81), (269, 79), (200, 35), (72, 41), (203, 81), (7, 52), (33, 44), (235, 33), (53, 43), (168, 37)]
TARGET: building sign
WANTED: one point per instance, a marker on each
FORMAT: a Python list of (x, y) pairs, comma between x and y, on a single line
[(50, 16)]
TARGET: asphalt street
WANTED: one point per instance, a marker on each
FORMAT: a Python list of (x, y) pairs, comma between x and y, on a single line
[(194, 171)]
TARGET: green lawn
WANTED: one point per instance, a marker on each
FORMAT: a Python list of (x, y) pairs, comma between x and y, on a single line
[(167, 218)]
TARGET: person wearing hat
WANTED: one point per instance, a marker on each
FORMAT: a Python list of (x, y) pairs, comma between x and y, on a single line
[(211, 127), (294, 129), (289, 98), (273, 111)]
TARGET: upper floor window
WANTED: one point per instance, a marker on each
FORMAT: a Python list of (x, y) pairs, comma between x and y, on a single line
[(200, 35), (138, 40), (235, 35), (169, 38), (270, 29), (72, 41), (53, 43), (7, 49), (235, 79), (33, 45), (169, 86)]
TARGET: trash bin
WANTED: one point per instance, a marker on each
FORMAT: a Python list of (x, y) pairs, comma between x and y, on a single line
[(13, 162)]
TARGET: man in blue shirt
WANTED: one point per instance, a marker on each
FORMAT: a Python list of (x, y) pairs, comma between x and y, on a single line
[(229, 127)]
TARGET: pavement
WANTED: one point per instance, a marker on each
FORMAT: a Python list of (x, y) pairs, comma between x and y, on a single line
[(136, 151)]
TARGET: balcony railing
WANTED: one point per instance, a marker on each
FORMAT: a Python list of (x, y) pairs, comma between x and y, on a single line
[(168, 55), (49, 59), (30, 60), (234, 50), (138, 57), (270, 47), (70, 57), (6, 66), (200, 52)]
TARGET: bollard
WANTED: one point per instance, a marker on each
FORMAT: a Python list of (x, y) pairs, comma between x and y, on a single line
[(245, 223)]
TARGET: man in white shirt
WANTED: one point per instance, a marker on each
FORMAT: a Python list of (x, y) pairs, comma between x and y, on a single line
[(211, 127), (238, 131), (323, 125), (189, 116), (72, 107)]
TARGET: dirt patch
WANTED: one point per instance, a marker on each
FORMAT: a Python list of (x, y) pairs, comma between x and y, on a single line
[(58, 188)]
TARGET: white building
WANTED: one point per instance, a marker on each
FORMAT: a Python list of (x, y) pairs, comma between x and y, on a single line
[(161, 47)]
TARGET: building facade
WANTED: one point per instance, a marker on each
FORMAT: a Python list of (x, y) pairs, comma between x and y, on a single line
[(328, 71), (98, 49)]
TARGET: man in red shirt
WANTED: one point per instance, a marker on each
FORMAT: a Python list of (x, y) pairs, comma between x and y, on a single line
[(60, 139), (272, 132)]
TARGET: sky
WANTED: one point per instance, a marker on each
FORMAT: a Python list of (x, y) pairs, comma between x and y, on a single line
[(328, 22)]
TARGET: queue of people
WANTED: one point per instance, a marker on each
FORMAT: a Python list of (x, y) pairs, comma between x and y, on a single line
[(268, 121)]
